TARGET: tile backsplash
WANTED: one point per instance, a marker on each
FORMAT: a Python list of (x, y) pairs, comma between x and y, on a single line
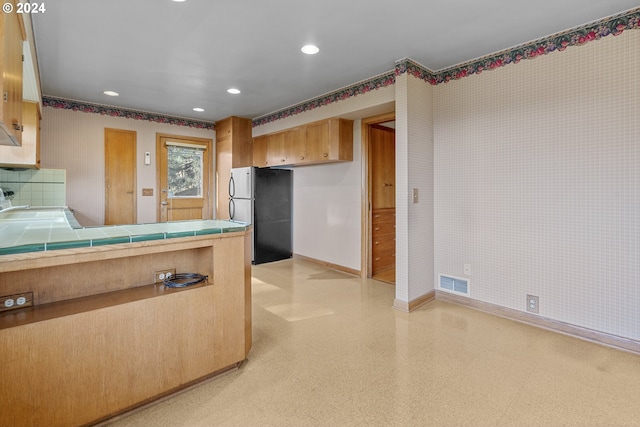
[(36, 187)]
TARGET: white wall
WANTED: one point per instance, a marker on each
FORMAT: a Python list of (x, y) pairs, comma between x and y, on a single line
[(537, 184), (414, 170), (74, 141), (327, 198)]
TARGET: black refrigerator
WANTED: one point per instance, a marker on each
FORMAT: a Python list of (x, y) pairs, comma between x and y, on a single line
[(263, 197)]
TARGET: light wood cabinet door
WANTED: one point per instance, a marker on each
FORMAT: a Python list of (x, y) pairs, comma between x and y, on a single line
[(295, 147), (31, 133), (234, 149), (317, 141), (242, 143), (11, 64), (277, 151), (261, 151), (329, 141)]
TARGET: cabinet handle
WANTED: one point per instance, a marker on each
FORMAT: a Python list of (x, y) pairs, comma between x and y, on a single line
[(378, 259), (325, 155), (377, 242), (377, 228)]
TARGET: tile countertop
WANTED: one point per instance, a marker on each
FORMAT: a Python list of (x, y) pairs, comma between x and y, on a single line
[(49, 228)]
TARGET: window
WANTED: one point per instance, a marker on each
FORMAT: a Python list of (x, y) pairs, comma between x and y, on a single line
[(185, 171)]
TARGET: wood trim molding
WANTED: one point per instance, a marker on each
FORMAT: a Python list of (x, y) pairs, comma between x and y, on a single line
[(408, 307), (328, 265), (365, 245), (602, 338)]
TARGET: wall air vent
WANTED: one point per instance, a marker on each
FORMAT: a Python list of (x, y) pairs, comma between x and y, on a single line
[(454, 284)]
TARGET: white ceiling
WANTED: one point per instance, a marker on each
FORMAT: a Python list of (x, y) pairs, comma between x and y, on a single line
[(168, 57)]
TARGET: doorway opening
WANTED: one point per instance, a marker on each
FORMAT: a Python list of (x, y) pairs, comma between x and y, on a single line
[(379, 198)]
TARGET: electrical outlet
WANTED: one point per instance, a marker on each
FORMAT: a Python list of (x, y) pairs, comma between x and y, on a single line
[(533, 304), (12, 302), (160, 275)]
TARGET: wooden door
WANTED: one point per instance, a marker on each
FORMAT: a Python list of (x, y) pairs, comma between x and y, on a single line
[(183, 174), (382, 159), (120, 176), (383, 172)]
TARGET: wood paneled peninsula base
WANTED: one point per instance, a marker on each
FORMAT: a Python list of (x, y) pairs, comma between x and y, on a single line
[(102, 338)]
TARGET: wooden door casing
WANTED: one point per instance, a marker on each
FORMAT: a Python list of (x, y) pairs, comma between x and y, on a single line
[(382, 201), (182, 208)]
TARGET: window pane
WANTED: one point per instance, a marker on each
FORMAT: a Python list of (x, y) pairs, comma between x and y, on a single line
[(185, 172)]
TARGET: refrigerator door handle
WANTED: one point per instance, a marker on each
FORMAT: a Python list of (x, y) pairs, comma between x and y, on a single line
[(232, 187), (232, 209)]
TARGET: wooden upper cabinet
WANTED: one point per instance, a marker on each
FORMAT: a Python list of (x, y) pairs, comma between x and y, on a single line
[(283, 148), (238, 131), (234, 149), (329, 140), (13, 34), (325, 141)]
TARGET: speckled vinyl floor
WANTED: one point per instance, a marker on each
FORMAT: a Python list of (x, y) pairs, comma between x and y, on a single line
[(330, 351)]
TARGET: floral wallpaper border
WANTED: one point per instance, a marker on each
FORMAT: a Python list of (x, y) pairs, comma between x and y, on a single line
[(105, 110), (613, 25), (364, 86), (578, 36)]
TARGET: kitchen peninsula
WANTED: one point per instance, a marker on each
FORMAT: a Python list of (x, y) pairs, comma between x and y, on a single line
[(102, 337)]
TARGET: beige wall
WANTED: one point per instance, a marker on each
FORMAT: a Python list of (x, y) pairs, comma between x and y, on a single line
[(537, 184), (74, 141)]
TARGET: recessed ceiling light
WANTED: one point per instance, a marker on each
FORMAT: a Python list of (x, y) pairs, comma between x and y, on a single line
[(198, 109), (310, 49), (179, 1), (111, 93), (233, 91)]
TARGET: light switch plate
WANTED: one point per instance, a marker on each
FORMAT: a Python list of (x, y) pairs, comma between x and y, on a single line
[(415, 195), (147, 191)]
